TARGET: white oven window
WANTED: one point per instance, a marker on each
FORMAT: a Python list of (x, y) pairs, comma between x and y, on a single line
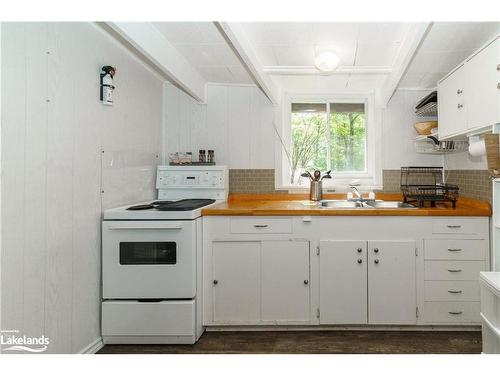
[(148, 253)]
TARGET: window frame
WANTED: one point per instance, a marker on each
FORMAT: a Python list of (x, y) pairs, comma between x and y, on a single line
[(370, 178)]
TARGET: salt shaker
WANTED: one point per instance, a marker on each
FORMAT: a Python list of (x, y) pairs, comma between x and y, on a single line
[(211, 156)]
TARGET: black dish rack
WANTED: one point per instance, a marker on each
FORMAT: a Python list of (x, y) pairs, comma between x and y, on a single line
[(425, 184)]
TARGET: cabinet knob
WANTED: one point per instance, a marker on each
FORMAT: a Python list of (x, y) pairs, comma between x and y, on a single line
[(306, 282), (498, 67), (460, 106), (459, 92), (375, 250), (360, 261), (498, 85), (376, 261), (216, 282), (360, 249)]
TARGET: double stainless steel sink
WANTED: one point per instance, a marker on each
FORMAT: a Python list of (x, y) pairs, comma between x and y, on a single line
[(344, 204)]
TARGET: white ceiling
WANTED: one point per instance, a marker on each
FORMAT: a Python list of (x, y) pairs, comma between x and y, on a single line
[(446, 45), (359, 44), (204, 47), (295, 44)]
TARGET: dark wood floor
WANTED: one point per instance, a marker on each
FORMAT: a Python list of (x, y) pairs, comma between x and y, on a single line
[(324, 342)]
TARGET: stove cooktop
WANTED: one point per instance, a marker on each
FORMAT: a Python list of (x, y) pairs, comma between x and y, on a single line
[(181, 205)]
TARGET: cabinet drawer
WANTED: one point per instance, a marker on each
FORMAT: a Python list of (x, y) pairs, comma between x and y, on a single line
[(453, 225), (133, 318), (260, 225), (451, 312), (454, 269), (452, 291), (456, 249)]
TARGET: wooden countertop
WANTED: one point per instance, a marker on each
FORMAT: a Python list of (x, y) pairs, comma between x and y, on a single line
[(299, 205)]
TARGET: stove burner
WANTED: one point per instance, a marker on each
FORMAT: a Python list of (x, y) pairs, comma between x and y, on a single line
[(185, 205), (147, 206), (141, 207), (182, 205)]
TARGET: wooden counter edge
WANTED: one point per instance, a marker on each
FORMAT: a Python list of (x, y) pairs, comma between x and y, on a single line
[(465, 207)]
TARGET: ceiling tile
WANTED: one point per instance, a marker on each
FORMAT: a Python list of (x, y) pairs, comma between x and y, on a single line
[(205, 49), (179, 32), (265, 54), (278, 33), (382, 32), (376, 54), (299, 54), (208, 54)]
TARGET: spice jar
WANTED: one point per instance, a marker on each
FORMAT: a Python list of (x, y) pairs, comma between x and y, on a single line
[(211, 156), (202, 156)]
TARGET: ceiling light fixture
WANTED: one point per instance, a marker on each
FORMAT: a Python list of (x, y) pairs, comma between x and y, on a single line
[(327, 61)]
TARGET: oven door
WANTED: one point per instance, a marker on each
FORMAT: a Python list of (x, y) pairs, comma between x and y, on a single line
[(149, 259)]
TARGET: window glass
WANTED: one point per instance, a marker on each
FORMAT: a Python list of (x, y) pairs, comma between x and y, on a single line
[(347, 137), (309, 138), (327, 136)]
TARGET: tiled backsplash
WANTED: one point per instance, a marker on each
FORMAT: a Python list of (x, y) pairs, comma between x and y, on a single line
[(472, 183), (258, 181)]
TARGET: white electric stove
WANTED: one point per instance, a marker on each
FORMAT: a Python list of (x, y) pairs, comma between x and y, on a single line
[(151, 259)]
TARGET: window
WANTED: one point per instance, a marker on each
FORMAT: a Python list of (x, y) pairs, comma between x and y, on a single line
[(328, 134)]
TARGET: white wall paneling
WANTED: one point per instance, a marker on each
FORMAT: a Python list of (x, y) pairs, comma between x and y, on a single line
[(53, 130), (236, 122)]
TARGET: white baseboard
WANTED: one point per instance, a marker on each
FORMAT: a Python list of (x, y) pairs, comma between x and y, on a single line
[(93, 347), (256, 328)]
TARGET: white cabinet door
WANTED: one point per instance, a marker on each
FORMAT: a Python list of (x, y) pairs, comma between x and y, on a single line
[(285, 281), (391, 282), (343, 282), (451, 104), (482, 93), (236, 281)]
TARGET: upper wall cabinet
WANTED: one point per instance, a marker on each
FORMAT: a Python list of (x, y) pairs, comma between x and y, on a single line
[(482, 85), (469, 97), (451, 109)]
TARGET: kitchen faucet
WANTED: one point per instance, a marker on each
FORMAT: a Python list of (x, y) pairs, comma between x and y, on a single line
[(356, 193)]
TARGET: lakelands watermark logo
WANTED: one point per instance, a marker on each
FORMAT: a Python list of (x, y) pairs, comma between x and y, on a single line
[(13, 341)]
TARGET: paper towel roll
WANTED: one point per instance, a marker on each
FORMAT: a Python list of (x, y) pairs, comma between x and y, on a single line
[(477, 148)]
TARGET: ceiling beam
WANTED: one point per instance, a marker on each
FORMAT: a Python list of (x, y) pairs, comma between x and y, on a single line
[(311, 70), (409, 48), (237, 40), (153, 46)]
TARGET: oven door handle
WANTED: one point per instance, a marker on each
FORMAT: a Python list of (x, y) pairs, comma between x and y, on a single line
[(139, 227)]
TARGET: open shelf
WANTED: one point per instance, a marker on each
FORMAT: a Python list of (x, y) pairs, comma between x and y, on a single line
[(425, 145), (428, 110)]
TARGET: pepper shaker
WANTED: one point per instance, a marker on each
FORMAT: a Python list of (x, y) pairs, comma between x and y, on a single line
[(202, 156)]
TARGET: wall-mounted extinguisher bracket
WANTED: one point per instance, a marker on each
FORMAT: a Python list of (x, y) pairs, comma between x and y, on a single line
[(106, 94)]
